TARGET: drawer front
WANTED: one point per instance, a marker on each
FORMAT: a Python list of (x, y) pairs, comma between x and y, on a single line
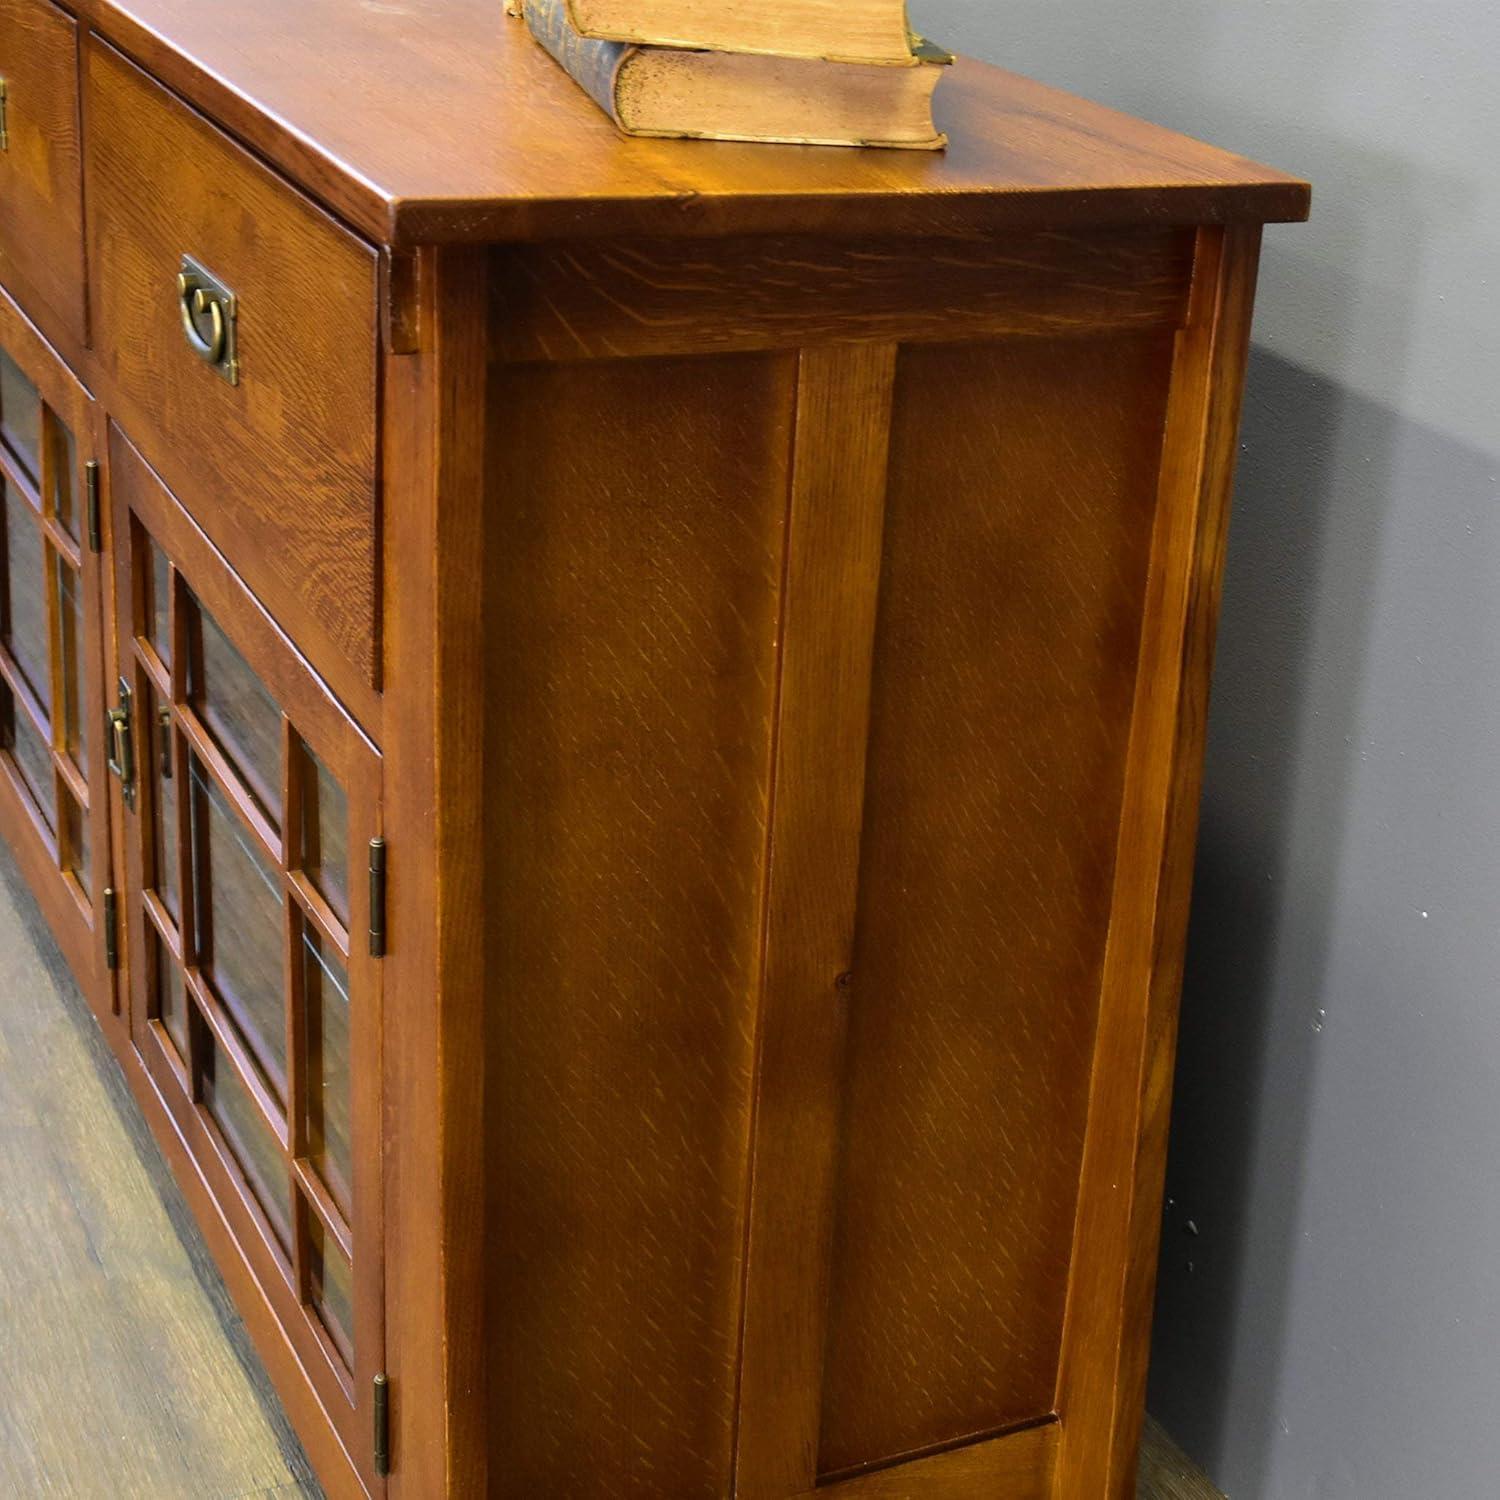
[(41, 195), (275, 457)]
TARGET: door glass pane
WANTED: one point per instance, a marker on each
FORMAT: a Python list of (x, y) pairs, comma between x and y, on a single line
[(165, 825), (158, 603), (325, 834), (29, 753), (77, 853), (326, 990), (64, 476), (330, 1286), (241, 714), (70, 620), (240, 925), (20, 415), (23, 608), (250, 1138), (171, 996)]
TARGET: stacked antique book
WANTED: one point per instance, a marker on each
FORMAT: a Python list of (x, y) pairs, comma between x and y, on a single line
[(811, 72)]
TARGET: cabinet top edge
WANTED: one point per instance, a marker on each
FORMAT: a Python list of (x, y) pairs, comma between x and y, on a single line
[(440, 121)]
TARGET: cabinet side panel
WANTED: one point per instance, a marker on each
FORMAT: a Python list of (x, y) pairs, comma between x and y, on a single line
[(637, 546), (1023, 483)]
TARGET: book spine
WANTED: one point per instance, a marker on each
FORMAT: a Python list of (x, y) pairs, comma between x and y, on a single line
[(591, 64)]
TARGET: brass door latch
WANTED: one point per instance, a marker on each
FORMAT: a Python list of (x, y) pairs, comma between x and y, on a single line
[(119, 736), (209, 310)]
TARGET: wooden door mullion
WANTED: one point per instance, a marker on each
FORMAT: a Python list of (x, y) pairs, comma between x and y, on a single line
[(295, 1000), (316, 913), (181, 791), (63, 544), (18, 479), (322, 1203), (46, 460), (71, 779), (221, 771), (231, 1049), (21, 690)]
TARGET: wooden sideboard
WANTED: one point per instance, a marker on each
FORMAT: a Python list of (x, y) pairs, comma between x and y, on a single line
[(655, 696)]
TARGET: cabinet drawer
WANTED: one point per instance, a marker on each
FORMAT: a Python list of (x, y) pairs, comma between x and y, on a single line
[(263, 422), (41, 196)]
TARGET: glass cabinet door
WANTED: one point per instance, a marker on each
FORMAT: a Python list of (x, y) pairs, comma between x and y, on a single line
[(54, 811), (256, 1001)]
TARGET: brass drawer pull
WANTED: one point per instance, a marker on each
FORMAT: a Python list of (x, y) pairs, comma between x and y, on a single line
[(208, 310)]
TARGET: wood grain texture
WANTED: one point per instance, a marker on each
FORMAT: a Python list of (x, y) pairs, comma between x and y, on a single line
[(41, 174), (1016, 1465), (1022, 490), (474, 134), (823, 720), (439, 1315), (742, 559), (636, 565), (633, 298), (156, 1390), (280, 469), (1101, 1381)]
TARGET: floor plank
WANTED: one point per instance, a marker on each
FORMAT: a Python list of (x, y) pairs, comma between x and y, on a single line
[(127, 1373), (1167, 1473)]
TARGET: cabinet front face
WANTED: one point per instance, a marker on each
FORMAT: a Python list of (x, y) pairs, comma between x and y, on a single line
[(253, 803), (53, 807)]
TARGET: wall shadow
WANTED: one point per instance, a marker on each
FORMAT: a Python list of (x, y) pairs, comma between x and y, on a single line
[(1310, 510)]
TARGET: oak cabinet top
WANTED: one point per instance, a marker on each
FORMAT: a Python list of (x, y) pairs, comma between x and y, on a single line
[(427, 121)]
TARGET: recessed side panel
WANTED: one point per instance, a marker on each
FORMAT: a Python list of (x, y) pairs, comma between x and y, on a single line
[(636, 545), (1022, 490)]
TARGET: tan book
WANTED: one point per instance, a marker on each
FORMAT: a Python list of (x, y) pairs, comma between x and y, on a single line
[(858, 31), (657, 91)]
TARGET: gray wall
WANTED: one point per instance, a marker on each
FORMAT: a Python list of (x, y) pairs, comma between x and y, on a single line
[(1332, 1329)]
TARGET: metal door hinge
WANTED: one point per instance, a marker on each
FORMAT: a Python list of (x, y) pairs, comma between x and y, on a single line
[(91, 502), (4, 129), (111, 930), (377, 898), (381, 1408), (119, 736)]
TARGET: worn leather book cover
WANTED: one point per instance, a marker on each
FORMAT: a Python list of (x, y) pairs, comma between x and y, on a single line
[(853, 31), (659, 91)]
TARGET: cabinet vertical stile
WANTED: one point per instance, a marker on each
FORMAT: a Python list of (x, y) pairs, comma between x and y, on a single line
[(255, 997), (53, 804)]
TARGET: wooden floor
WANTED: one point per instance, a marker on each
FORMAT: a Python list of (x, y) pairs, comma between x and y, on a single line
[(125, 1371), (1167, 1473), (126, 1374)]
